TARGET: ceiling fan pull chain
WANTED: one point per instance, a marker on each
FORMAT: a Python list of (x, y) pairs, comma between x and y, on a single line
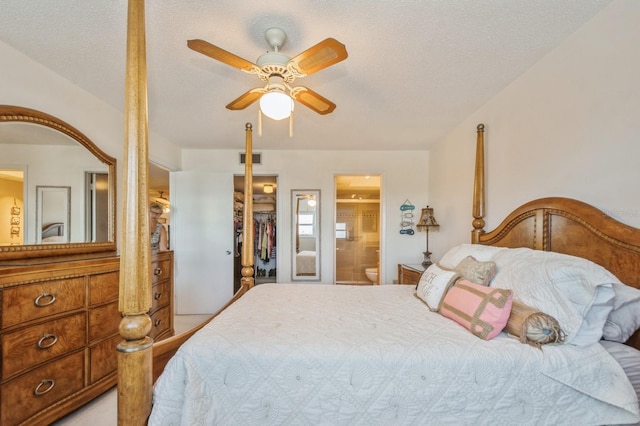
[(291, 125)]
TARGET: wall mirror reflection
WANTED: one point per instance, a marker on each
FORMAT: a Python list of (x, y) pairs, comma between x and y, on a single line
[(53, 214), (40, 151), (305, 205)]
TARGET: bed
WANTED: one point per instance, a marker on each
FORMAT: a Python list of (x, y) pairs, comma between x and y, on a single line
[(306, 262), (320, 354)]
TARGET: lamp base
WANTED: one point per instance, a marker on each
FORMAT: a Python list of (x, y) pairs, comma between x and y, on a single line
[(427, 259)]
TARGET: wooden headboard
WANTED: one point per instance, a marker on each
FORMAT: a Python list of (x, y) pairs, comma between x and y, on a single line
[(561, 225)]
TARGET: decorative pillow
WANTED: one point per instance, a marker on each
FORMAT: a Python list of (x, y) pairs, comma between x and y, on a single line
[(576, 292), (433, 284), (482, 310), (624, 319), (480, 252), (533, 327), (476, 271)]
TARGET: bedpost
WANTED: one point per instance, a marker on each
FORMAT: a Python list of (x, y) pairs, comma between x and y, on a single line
[(247, 219), (135, 352), (478, 188)]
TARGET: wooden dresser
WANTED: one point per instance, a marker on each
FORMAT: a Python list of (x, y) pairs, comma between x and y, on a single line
[(162, 294), (59, 331), (409, 274)]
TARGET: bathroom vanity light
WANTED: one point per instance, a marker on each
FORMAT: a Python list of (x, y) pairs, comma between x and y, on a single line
[(427, 220)]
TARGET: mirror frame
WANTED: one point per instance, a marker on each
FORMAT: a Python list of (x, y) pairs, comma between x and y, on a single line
[(10, 113), (296, 195)]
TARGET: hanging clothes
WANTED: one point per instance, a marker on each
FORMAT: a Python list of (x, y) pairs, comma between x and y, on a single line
[(265, 236)]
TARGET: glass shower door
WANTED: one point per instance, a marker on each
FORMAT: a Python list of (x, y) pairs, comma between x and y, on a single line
[(357, 241)]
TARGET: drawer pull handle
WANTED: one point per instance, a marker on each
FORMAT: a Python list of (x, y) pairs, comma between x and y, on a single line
[(157, 296), (45, 299), (157, 322), (47, 341), (157, 271), (45, 386)]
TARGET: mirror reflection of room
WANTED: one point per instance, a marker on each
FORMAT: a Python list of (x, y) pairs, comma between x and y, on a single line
[(37, 156), (357, 229), (305, 205), (11, 207)]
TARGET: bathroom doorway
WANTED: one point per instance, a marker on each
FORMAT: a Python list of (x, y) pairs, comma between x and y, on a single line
[(357, 229)]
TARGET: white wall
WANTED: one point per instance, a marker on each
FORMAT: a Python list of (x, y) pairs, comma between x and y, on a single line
[(568, 127), (404, 176)]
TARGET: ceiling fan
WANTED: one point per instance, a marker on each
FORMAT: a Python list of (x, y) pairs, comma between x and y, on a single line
[(279, 71)]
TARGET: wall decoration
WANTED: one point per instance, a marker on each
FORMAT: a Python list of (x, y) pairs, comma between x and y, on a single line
[(407, 218), (15, 220)]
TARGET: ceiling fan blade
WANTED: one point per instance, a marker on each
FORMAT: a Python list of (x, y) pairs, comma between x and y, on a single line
[(222, 55), (318, 57), (311, 99), (246, 99)]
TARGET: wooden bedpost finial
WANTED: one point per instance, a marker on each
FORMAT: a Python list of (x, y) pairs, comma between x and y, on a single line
[(480, 127), (248, 126)]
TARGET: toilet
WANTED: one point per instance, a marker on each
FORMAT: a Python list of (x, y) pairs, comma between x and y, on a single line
[(372, 274)]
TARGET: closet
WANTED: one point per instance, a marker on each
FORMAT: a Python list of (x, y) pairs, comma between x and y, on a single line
[(265, 226)]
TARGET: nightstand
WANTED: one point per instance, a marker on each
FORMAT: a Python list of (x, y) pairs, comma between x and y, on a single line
[(409, 274)]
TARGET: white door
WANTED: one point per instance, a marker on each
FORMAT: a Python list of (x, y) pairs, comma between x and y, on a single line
[(202, 240)]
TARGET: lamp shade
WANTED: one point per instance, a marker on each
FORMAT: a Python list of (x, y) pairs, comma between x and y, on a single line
[(427, 219), (267, 188), (276, 105)]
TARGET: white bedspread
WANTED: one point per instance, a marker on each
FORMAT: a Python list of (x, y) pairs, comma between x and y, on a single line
[(301, 354)]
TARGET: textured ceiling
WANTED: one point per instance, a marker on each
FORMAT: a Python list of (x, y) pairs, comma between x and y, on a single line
[(415, 68)]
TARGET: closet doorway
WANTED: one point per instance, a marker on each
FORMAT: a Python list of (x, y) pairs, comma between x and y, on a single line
[(357, 229), (265, 215)]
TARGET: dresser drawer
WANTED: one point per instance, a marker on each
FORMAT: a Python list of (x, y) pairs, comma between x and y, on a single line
[(160, 270), (38, 389), (104, 321), (33, 301), (103, 358), (160, 322), (103, 287), (27, 347), (161, 294)]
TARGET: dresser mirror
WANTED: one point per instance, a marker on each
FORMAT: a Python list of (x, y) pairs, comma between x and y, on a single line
[(57, 188), (305, 205)]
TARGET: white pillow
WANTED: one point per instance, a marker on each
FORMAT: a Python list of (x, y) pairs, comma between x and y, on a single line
[(629, 360), (624, 319), (434, 284), (480, 252), (575, 291)]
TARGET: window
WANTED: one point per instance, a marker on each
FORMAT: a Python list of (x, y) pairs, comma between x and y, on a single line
[(305, 224)]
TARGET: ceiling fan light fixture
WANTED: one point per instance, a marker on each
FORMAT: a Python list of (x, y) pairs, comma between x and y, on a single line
[(276, 104)]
